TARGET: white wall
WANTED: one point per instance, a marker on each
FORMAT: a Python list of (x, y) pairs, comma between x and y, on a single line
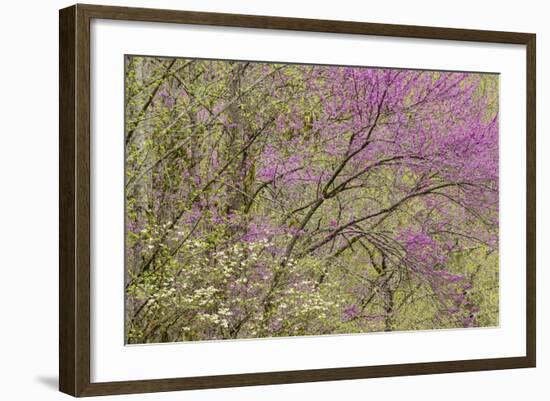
[(28, 201)]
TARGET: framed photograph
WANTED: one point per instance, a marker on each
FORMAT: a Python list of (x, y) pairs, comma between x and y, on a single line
[(249, 200)]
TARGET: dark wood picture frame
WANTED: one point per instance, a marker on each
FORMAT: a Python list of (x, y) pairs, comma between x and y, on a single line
[(74, 200)]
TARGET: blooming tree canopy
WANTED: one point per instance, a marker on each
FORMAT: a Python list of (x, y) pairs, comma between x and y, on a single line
[(279, 200)]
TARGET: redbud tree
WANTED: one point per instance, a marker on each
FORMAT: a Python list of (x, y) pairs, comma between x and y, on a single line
[(281, 199)]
